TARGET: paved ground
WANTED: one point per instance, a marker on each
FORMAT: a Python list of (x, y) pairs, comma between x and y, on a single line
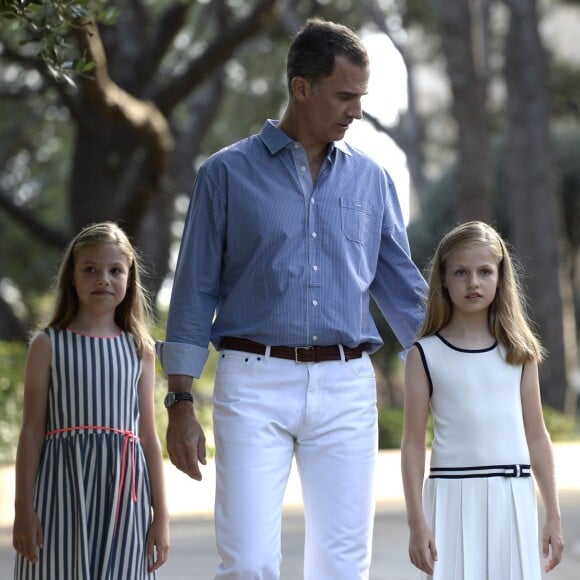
[(193, 554)]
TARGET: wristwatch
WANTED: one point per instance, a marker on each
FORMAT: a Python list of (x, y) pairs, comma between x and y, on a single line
[(175, 396)]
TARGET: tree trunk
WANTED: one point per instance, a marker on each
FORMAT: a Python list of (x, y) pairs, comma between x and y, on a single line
[(464, 28), (125, 144), (11, 328), (534, 205)]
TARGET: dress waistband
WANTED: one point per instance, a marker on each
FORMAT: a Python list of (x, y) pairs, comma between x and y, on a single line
[(515, 470), (295, 353), (128, 438)]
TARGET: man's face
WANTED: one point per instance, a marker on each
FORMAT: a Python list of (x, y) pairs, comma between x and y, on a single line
[(335, 101)]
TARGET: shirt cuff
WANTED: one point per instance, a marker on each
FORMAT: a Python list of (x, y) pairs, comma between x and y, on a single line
[(178, 358)]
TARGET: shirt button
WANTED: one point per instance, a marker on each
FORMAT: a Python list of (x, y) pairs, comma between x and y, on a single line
[(303, 168), (315, 302), (314, 234), (315, 268), (312, 201), (314, 338)]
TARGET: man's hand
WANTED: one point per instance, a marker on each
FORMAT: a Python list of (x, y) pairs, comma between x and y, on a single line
[(185, 440)]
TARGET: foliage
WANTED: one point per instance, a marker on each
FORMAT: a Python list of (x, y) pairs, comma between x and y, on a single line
[(391, 428), (44, 25), (560, 426), (12, 360), (565, 88), (438, 199)]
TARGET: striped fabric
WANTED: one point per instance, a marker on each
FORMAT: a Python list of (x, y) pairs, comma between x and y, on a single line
[(516, 470), (285, 261), (92, 492)]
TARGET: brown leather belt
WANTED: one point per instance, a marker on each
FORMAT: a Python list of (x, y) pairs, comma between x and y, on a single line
[(295, 353)]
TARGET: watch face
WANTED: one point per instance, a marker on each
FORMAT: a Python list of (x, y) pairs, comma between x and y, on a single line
[(173, 397), (169, 400)]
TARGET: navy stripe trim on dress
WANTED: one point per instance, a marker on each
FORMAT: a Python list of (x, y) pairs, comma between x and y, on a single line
[(425, 366), (515, 470), (467, 350)]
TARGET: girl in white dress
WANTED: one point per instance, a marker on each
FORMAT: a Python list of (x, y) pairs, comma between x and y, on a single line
[(475, 369)]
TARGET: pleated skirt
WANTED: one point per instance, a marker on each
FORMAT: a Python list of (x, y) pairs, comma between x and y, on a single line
[(485, 528)]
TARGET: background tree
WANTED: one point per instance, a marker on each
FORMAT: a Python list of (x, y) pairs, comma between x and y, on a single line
[(534, 204), (112, 122), (465, 32)]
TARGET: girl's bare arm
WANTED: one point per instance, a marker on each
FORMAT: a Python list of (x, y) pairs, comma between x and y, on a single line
[(542, 460), (27, 531), (158, 537), (422, 550)]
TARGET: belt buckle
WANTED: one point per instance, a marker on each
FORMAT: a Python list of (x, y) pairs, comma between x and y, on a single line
[(513, 471), (298, 348)]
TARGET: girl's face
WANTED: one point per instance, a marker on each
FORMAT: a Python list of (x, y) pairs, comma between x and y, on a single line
[(100, 276), (471, 278)]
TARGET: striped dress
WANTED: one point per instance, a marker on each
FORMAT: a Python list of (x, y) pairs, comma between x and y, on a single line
[(92, 492)]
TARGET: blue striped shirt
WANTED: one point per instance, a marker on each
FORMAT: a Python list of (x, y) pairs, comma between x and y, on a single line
[(270, 256)]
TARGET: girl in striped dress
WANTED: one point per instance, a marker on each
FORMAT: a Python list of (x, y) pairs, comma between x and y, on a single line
[(475, 368), (90, 502)]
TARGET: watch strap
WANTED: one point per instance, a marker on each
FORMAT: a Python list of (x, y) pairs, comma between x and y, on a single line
[(174, 397)]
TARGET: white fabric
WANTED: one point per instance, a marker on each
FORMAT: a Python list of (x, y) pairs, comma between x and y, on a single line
[(485, 528), (476, 407), (268, 410)]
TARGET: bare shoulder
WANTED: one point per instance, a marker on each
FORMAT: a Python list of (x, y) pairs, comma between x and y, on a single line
[(413, 356), (148, 353), (40, 344), (38, 363), (530, 376)]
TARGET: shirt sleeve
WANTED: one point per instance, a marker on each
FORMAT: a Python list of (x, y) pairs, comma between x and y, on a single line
[(196, 284), (399, 289)]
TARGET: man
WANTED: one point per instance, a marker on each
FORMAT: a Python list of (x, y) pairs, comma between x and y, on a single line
[(288, 234)]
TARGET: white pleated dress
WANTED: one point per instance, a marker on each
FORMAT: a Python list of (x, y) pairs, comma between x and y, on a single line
[(92, 493), (485, 527)]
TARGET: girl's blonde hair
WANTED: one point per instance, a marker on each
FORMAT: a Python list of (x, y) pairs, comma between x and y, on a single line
[(133, 312), (507, 313)]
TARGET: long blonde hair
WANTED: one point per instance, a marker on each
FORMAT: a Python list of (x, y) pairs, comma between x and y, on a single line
[(508, 320), (132, 314)]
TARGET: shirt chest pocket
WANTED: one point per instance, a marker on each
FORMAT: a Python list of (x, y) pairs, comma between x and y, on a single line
[(354, 218)]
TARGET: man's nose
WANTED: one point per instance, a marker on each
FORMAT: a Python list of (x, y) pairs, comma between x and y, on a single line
[(356, 110)]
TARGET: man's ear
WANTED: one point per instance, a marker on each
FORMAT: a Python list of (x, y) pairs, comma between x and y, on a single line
[(301, 88)]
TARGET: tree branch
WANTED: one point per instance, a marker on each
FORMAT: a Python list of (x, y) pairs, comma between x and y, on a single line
[(54, 238), (216, 54), (33, 62), (142, 117)]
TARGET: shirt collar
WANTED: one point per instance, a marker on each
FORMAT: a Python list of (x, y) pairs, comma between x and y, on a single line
[(276, 140)]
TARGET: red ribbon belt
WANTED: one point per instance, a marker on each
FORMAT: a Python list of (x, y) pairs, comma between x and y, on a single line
[(128, 437)]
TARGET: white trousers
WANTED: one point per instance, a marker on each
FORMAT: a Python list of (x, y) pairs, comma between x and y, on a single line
[(267, 411)]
